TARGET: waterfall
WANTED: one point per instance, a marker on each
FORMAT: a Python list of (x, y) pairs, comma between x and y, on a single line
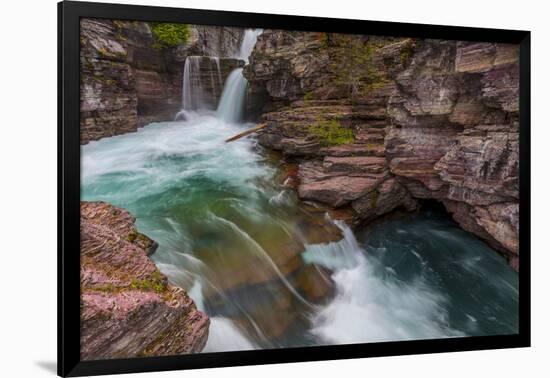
[(191, 82), (195, 89), (197, 95), (233, 95), (218, 70), (216, 83), (249, 40), (234, 92)]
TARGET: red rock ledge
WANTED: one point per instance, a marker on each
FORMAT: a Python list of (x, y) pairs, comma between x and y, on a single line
[(127, 307)]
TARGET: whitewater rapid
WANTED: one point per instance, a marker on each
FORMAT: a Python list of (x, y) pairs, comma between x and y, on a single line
[(371, 305), (223, 220), (173, 175)]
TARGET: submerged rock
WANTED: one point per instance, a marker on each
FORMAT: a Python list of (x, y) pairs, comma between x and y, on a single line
[(128, 309)]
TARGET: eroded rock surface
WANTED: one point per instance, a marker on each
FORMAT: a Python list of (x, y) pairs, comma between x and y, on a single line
[(403, 120), (128, 309)]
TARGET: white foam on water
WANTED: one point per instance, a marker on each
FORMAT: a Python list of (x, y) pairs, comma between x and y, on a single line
[(371, 305), (148, 155), (224, 336), (249, 41)]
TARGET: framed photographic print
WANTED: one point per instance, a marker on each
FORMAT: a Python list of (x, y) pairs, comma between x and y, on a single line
[(239, 188)]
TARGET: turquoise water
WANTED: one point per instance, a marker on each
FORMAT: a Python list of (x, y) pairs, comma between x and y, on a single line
[(272, 272), (480, 289), (418, 276)]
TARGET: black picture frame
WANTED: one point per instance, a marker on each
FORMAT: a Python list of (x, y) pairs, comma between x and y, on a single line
[(69, 14)]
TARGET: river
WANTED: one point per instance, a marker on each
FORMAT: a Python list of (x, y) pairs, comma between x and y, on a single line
[(271, 271)]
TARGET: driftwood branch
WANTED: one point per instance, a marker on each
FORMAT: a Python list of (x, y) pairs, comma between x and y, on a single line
[(246, 132)]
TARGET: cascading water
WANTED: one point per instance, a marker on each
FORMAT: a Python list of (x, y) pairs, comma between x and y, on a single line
[(191, 83), (195, 94), (217, 82), (268, 271), (233, 96), (234, 93), (249, 41), (231, 103)]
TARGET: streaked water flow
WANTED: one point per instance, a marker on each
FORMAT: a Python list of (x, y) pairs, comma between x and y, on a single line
[(273, 272), (231, 103), (240, 253)]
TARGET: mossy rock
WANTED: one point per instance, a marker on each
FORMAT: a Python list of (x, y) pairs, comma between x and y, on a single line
[(331, 133), (308, 96), (373, 199), (155, 282), (406, 53), (168, 35)]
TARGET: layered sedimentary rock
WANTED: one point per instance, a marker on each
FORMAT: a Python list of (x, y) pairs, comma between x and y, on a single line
[(379, 123), (456, 113), (221, 41), (128, 80), (128, 309)]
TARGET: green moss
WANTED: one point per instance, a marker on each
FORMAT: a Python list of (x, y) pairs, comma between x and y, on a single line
[(373, 199), (103, 52), (331, 133), (120, 28), (406, 53), (154, 283), (354, 64), (371, 146), (107, 54), (309, 96), (325, 39), (132, 236), (169, 34), (118, 24), (376, 83)]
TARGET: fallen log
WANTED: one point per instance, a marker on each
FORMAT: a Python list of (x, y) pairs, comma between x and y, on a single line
[(246, 132)]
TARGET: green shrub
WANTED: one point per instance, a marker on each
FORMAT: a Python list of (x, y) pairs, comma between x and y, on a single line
[(331, 133), (169, 34)]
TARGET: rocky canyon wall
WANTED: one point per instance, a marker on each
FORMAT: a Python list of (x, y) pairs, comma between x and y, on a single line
[(380, 123), (127, 80), (128, 309)]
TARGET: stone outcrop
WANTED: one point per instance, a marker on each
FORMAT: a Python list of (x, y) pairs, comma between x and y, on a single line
[(377, 123), (455, 135), (221, 41), (128, 309), (127, 80)]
